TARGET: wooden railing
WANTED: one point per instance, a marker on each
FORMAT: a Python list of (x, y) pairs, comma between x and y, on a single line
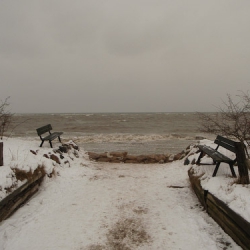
[(18, 197), (231, 222)]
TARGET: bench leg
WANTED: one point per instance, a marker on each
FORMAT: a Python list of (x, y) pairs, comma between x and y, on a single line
[(232, 170), (50, 144), (199, 158), (216, 169), (59, 139), (41, 144)]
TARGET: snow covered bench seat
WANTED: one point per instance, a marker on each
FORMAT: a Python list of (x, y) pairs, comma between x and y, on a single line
[(50, 137), (217, 156)]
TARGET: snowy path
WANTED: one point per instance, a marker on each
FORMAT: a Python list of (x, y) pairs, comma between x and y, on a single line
[(114, 206)]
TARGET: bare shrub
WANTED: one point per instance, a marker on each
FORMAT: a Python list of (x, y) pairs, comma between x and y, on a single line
[(5, 117), (232, 119)]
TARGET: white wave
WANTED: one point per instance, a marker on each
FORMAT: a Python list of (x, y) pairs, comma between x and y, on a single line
[(99, 138)]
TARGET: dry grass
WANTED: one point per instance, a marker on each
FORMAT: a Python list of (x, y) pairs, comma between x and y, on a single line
[(124, 235), (95, 247), (127, 231), (118, 246), (22, 175), (140, 210), (98, 177)]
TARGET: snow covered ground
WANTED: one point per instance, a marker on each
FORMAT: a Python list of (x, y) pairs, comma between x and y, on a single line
[(100, 206)]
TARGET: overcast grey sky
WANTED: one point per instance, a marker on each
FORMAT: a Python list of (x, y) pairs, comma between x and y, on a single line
[(123, 55)]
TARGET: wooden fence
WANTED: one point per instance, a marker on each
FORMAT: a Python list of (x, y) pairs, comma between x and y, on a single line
[(231, 222), (13, 201)]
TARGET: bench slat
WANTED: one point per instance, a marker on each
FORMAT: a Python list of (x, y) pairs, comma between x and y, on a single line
[(44, 129), (215, 155), (52, 136), (225, 142)]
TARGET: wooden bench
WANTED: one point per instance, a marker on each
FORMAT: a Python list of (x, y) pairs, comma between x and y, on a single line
[(218, 157), (50, 137)]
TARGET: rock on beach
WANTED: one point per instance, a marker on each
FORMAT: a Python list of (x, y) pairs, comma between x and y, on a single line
[(119, 157)]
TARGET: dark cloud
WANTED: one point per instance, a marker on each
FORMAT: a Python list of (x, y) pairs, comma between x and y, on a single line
[(139, 55)]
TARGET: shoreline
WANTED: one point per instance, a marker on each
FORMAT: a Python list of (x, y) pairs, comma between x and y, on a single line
[(124, 157)]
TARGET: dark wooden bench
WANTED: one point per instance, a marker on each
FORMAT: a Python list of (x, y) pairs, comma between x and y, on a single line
[(218, 157), (50, 137)]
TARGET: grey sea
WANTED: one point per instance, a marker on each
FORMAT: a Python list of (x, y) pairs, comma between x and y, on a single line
[(136, 133)]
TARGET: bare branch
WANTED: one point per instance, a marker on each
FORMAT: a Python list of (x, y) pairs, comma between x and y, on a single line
[(232, 119), (5, 117)]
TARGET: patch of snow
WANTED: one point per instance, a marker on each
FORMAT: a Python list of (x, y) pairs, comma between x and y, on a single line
[(96, 206)]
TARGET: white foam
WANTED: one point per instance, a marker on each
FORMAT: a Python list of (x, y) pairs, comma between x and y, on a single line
[(99, 138)]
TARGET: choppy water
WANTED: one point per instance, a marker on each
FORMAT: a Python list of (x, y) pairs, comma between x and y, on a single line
[(135, 133)]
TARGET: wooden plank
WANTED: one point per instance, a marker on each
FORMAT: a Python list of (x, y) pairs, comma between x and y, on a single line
[(228, 141), (11, 207), (20, 189), (236, 218), (225, 142), (1, 153), (52, 136), (199, 195), (242, 165), (232, 223), (195, 182), (12, 202), (44, 129), (228, 225), (225, 145), (214, 154)]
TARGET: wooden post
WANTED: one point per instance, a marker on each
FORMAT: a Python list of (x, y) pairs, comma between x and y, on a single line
[(1, 153), (242, 163)]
